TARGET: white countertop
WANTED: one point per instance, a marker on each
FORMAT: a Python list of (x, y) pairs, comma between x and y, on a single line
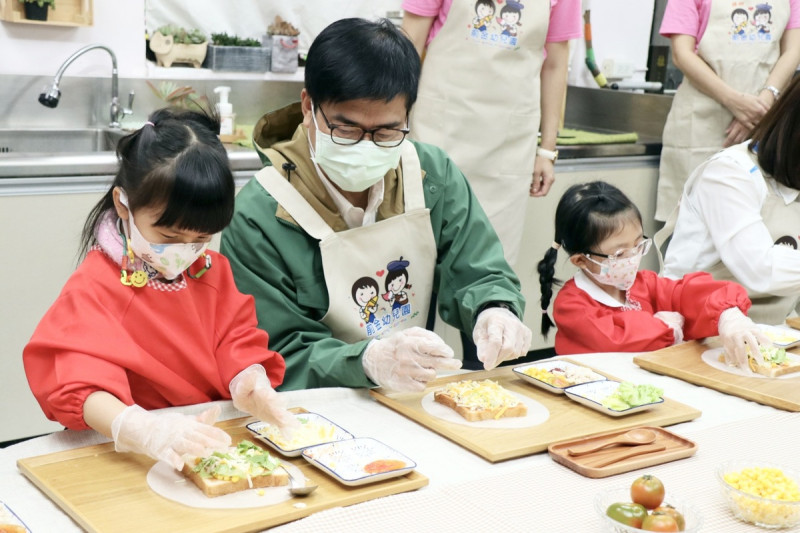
[(469, 493)]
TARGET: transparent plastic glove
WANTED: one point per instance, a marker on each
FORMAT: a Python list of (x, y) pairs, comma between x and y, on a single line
[(167, 436), (673, 320), (406, 360), (500, 336), (252, 393), (738, 334)]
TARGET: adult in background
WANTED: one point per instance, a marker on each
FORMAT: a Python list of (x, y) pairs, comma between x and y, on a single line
[(739, 216), (493, 76), (346, 198), (736, 60)]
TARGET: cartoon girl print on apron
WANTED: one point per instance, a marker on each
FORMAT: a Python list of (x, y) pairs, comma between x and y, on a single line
[(478, 100), (369, 270), (741, 44)]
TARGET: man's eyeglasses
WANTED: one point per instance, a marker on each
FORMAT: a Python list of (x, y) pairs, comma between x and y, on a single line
[(348, 135), (641, 248)]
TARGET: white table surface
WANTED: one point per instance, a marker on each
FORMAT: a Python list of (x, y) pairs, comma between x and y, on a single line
[(468, 493)]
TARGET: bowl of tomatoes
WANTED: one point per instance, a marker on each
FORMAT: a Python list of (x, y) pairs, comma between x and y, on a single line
[(762, 493), (644, 505)]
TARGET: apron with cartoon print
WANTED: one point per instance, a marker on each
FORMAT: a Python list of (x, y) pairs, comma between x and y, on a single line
[(379, 277), (478, 100), (783, 223), (741, 44)]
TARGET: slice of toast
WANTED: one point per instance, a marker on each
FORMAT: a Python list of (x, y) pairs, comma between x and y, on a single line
[(480, 400), (771, 370), (217, 487), (243, 467)]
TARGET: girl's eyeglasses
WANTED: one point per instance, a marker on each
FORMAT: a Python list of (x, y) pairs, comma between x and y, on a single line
[(640, 249)]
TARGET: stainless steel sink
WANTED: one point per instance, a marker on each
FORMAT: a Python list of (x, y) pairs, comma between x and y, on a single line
[(55, 141)]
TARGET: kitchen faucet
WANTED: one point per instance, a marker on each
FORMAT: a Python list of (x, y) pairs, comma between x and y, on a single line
[(51, 97)]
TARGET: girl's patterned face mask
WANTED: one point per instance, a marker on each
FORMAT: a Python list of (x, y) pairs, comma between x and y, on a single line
[(619, 269)]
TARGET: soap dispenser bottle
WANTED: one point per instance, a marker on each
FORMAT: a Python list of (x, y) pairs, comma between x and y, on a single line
[(225, 110)]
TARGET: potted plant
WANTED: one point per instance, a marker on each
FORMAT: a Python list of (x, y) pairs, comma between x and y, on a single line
[(229, 52), (172, 44), (37, 9)]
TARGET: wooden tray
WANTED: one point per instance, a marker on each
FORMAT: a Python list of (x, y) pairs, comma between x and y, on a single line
[(683, 361), (568, 419), (677, 447), (107, 491)]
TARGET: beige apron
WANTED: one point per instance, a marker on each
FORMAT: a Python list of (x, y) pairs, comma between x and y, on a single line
[(781, 220), (479, 101), (379, 277), (742, 54)]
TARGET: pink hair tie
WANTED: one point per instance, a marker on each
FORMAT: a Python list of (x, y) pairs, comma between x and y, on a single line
[(555, 245), (148, 123)]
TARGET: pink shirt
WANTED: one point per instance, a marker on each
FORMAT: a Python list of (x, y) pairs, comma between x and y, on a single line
[(690, 17), (565, 17)]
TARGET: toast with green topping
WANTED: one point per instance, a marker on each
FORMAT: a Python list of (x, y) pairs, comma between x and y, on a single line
[(244, 466)]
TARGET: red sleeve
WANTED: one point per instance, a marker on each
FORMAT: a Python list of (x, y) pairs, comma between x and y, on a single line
[(240, 341), (586, 326), (699, 298), (65, 360)]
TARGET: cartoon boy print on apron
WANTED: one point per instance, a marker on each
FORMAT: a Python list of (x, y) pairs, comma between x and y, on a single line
[(741, 44), (478, 100), (356, 262)]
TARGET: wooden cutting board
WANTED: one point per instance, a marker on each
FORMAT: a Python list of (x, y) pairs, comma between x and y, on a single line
[(683, 361), (105, 491), (568, 419)]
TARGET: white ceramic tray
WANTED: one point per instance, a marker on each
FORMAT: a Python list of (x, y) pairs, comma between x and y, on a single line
[(9, 518), (592, 394), (359, 461), (782, 337), (314, 429), (550, 365)]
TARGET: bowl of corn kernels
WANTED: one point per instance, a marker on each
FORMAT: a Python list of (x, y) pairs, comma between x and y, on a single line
[(762, 493)]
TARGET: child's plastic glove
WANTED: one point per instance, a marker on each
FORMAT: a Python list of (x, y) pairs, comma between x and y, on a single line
[(673, 320), (167, 436), (252, 393), (500, 336), (406, 360), (739, 336)]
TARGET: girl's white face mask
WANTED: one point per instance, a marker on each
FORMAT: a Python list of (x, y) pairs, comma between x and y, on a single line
[(168, 259), (355, 167), (619, 273)]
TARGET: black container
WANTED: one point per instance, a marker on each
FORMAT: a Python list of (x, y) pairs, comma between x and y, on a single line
[(34, 12)]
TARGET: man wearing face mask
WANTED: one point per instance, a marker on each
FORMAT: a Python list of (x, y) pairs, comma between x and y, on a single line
[(346, 204)]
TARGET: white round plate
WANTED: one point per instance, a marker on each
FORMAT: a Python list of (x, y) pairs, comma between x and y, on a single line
[(711, 358), (172, 485), (537, 414)]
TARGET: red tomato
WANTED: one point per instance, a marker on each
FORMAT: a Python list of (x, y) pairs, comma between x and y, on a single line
[(659, 522), (674, 513), (630, 514), (648, 491)]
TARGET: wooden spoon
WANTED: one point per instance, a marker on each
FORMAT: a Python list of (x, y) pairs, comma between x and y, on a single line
[(634, 437), (619, 455)]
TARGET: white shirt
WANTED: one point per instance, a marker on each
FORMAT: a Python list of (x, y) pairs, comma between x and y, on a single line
[(353, 216), (720, 220)]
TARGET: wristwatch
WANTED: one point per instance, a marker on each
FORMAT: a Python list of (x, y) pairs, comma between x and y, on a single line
[(552, 155)]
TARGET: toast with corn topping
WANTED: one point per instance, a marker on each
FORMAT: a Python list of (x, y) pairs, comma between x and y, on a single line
[(480, 400), (244, 466)]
